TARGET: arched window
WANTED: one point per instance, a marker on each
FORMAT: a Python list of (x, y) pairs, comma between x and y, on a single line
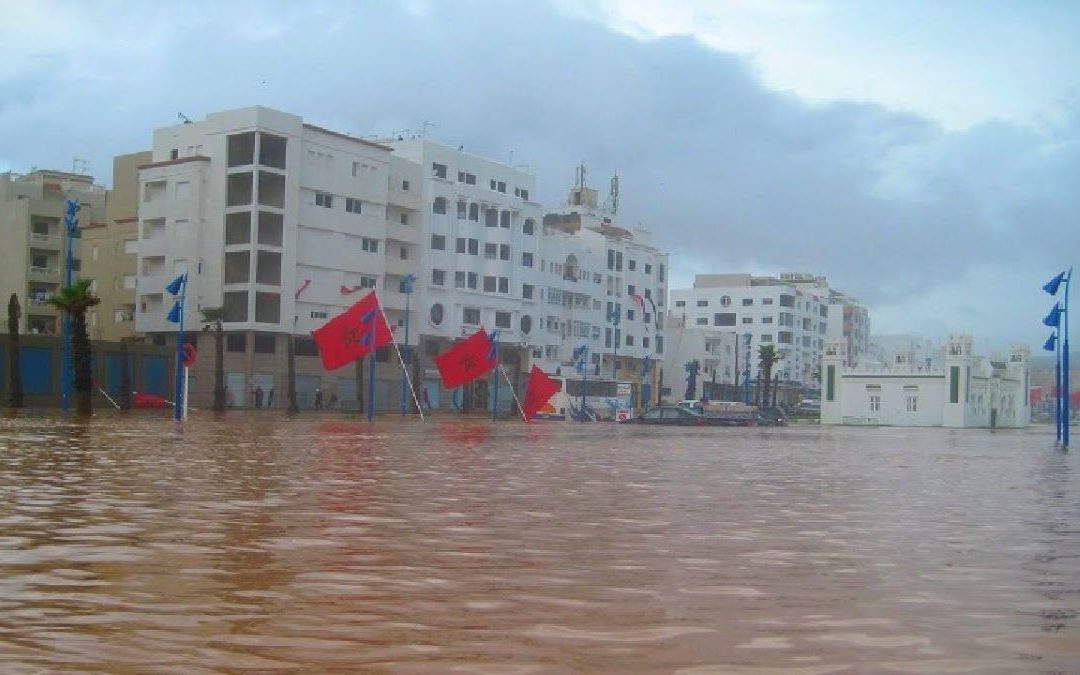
[(437, 314), (526, 324), (439, 205)]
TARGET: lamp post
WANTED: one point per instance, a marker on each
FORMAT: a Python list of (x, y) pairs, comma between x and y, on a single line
[(178, 287), (71, 224), (646, 386), (614, 319), (746, 371), (581, 364), (1058, 316), (407, 289)]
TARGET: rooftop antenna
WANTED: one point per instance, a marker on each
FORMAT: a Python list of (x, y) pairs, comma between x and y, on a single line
[(80, 167), (613, 197), (579, 176), (183, 118), (424, 127)]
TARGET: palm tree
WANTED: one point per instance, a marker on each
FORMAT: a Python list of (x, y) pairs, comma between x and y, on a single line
[(76, 299), (15, 391), (767, 358), (212, 317)]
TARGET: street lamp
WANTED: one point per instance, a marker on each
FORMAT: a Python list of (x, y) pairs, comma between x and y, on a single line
[(614, 319), (407, 289), (1059, 315), (71, 224), (580, 359), (746, 370)]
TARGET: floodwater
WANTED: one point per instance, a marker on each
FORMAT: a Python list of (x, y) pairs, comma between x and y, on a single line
[(256, 543)]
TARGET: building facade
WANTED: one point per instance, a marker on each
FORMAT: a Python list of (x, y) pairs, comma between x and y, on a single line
[(965, 390), (32, 208)]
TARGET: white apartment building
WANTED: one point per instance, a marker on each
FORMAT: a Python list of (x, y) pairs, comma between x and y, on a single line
[(282, 223), (719, 356), (961, 390), (761, 311)]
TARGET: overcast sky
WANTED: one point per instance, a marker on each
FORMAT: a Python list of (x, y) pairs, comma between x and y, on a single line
[(925, 156)]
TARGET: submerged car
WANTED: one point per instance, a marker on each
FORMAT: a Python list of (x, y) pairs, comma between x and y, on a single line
[(771, 417), (670, 415)]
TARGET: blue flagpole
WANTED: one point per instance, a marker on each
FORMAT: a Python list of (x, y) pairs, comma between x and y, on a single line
[(1057, 385), (1065, 368), (178, 390), (71, 223), (371, 388)]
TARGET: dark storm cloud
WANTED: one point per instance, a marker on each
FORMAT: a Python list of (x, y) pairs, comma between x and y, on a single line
[(722, 169)]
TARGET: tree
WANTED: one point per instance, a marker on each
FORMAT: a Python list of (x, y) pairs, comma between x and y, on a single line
[(692, 368), (75, 300), (767, 358), (212, 317), (15, 390)]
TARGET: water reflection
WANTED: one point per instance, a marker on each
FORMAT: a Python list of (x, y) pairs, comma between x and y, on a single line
[(257, 542)]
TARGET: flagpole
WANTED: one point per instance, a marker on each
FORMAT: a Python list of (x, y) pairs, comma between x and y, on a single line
[(1065, 368), (495, 389), (371, 388), (512, 392), (178, 407), (403, 369), (1057, 385)]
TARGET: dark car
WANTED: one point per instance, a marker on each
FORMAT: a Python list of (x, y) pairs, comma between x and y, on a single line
[(771, 417), (670, 415)]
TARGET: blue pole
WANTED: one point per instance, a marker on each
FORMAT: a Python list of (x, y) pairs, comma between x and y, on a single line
[(584, 379), (178, 389), (495, 389), (746, 373), (70, 224), (1065, 368), (405, 355), (1057, 383), (371, 388)]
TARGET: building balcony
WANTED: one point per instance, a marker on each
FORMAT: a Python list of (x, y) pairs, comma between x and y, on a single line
[(46, 274), (407, 199), (398, 267), (45, 241)]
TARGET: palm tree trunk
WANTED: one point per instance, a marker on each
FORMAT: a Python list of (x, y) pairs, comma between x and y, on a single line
[(15, 390), (81, 363), (219, 367)]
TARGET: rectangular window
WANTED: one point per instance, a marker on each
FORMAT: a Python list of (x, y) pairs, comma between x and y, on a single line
[(659, 344), (875, 403), (527, 291), (472, 280), (747, 302), (702, 321), (369, 245), (645, 342), (830, 383), (263, 343), (631, 264), (502, 319), (438, 277), (405, 186), (766, 301), (367, 282), (630, 315), (648, 268), (236, 342), (629, 340), (526, 259), (470, 315), (460, 245), (324, 199), (504, 252), (954, 384), (474, 247), (766, 319), (724, 319), (352, 205), (702, 303), (912, 403), (459, 280), (489, 284), (748, 319), (766, 337), (680, 303), (438, 242), (490, 251), (462, 207), (438, 170), (504, 285)]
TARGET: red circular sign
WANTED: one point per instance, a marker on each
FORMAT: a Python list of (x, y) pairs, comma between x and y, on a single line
[(189, 355)]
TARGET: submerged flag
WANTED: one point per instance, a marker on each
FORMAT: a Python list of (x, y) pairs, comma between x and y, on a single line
[(538, 391), (1051, 343), (1051, 286), (353, 333), (1054, 317), (467, 360)]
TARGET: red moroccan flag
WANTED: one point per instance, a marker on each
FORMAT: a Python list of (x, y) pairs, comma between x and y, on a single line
[(353, 333), (538, 391), (467, 360)]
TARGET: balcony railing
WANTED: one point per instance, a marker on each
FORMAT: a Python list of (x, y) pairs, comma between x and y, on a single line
[(43, 239), (50, 273)]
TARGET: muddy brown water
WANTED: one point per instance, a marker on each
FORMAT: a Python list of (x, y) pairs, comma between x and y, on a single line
[(256, 543)]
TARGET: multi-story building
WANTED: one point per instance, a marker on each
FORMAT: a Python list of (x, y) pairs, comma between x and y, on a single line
[(111, 251), (718, 358), (32, 209), (785, 313), (283, 224)]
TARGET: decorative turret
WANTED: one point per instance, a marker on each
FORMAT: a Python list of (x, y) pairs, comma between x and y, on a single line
[(832, 364), (957, 380)]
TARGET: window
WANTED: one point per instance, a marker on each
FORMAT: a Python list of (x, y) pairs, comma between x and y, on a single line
[(470, 315), (263, 343), (503, 319), (645, 342), (474, 247), (369, 245), (527, 291), (766, 337), (462, 208), (405, 186), (367, 281), (504, 220), (630, 289), (784, 337), (352, 205), (648, 268), (724, 319), (236, 342), (355, 168), (703, 321), (472, 279), (466, 177), (504, 285), (439, 205), (748, 319), (438, 242), (648, 293), (631, 264), (787, 300), (504, 252), (438, 277), (522, 192), (438, 170), (680, 303), (489, 284), (528, 226), (659, 344), (912, 403), (491, 218), (725, 301), (875, 402), (459, 280), (526, 324), (305, 347), (630, 315), (526, 259), (436, 314), (324, 199), (766, 301), (474, 212), (705, 303), (766, 319), (629, 340), (490, 251), (460, 245), (747, 302)]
